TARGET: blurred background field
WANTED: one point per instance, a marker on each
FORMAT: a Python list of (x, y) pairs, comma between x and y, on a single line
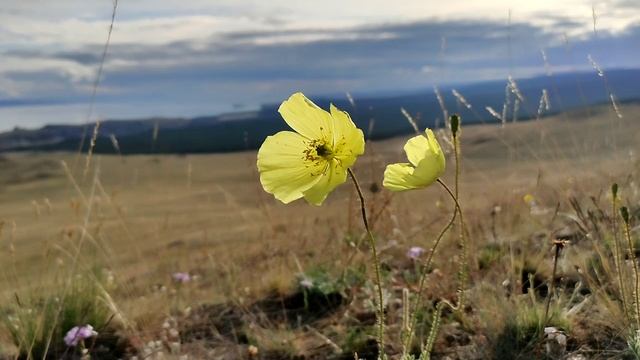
[(147, 217)]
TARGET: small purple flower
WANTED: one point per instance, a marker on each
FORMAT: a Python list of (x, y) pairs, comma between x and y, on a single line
[(181, 277), (415, 252), (79, 333)]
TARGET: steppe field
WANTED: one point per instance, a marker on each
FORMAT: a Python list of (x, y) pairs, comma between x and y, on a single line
[(105, 238)]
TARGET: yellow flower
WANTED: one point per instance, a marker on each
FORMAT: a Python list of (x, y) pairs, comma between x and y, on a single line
[(426, 164), (314, 159), (529, 199)]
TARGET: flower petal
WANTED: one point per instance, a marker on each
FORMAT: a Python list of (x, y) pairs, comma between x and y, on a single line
[(306, 118), (284, 170), (348, 140), (434, 144), (429, 169), (403, 176), (421, 146), (400, 177), (416, 149), (428, 162), (334, 175)]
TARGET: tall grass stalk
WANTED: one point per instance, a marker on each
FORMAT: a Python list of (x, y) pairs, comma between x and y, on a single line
[(94, 91)]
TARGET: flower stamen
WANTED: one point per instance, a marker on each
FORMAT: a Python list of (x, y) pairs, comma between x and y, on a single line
[(317, 151), (323, 151)]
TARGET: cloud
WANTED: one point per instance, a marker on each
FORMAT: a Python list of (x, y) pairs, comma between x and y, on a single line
[(203, 63), (633, 4)]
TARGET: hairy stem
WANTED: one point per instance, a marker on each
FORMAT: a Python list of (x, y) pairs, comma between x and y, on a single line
[(423, 274), (558, 246), (636, 271), (376, 263), (618, 257), (462, 271), (435, 326)]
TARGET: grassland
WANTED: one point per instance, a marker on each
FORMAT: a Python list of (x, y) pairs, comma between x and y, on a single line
[(139, 219)]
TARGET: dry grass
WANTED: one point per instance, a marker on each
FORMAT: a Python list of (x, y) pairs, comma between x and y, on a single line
[(146, 217)]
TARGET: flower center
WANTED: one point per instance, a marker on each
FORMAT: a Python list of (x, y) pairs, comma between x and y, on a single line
[(323, 151), (318, 150)]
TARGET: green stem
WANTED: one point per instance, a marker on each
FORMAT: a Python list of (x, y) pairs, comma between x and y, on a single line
[(462, 271), (376, 263), (433, 333), (558, 247), (636, 272), (618, 258), (423, 274)]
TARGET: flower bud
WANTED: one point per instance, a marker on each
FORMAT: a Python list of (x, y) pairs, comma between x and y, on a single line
[(455, 124), (624, 212)]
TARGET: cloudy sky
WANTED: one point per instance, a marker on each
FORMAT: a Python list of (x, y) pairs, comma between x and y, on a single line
[(187, 58)]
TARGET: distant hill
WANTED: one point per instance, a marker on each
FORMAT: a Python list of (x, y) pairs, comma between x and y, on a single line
[(381, 114)]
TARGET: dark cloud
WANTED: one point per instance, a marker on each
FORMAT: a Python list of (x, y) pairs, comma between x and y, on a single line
[(80, 57), (255, 67), (364, 52)]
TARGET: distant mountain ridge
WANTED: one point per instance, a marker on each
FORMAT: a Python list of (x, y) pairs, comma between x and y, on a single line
[(247, 130)]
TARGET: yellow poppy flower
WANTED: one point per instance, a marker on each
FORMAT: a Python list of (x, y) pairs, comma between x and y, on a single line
[(314, 159), (426, 164)]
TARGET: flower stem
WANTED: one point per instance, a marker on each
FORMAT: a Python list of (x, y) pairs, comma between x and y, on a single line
[(435, 326), (632, 256), (423, 274), (558, 245), (376, 263), (462, 271), (617, 251)]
